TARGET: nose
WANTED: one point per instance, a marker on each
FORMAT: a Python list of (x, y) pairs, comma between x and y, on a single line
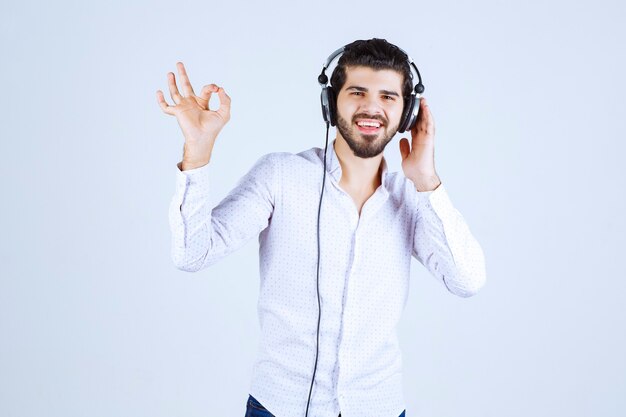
[(370, 105), (370, 109)]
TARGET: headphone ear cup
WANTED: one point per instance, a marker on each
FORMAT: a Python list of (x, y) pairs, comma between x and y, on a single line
[(324, 101), (408, 102), (332, 105), (410, 114)]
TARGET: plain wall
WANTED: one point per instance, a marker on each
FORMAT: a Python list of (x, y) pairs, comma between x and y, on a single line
[(528, 102)]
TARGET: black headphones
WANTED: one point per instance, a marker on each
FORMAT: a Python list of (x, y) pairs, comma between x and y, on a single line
[(329, 111), (329, 95)]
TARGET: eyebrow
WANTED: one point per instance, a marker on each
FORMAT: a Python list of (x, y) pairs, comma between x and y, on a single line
[(388, 92)]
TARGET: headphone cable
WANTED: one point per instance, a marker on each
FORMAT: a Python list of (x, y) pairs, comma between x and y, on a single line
[(319, 306)]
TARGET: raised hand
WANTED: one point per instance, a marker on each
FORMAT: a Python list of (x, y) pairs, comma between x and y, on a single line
[(199, 124), (418, 159)]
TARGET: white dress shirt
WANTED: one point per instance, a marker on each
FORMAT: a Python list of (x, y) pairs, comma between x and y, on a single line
[(364, 274)]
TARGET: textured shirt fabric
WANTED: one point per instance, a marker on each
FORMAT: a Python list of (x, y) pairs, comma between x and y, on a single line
[(363, 277)]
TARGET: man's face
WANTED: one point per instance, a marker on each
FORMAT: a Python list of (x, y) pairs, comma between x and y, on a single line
[(370, 96)]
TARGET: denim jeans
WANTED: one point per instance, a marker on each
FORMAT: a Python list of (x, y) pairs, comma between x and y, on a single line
[(255, 409)]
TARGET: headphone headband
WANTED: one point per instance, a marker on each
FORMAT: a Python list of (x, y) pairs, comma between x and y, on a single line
[(323, 78)]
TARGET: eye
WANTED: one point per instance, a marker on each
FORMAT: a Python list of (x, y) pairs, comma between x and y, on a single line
[(357, 92), (390, 97)]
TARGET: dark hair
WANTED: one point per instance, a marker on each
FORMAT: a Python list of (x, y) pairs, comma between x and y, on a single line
[(374, 53)]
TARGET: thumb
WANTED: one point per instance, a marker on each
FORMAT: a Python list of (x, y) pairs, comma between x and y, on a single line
[(224, 109), (224, 98), (405, 149)]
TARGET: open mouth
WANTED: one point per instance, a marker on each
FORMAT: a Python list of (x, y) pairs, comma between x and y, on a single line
[(368, 126)]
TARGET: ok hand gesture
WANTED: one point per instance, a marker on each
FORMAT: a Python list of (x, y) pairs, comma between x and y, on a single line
[(200, 125)]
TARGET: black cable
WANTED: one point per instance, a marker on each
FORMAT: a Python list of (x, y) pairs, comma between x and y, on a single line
[(319, 305)]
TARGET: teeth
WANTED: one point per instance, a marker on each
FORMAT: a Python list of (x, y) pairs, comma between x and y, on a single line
[(369, 124)]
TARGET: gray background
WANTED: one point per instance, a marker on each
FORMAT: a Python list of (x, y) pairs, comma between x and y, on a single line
[(95, 320)]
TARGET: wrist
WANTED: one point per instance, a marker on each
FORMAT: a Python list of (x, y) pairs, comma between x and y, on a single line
[(424, 183), (195, 156), (186, 165)]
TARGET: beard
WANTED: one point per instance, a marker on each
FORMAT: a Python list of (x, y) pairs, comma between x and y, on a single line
[(364, 145)]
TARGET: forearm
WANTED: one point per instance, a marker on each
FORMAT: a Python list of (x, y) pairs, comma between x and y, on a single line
[(190, 215), (445, 245)]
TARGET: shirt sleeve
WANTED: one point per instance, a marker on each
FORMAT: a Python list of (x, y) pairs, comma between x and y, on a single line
[(202, 235), (444, 244)]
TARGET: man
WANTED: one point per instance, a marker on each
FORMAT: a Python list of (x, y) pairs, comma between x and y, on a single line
[(371, 222)]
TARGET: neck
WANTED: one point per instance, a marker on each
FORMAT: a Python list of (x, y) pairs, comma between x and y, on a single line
[(359, 174)]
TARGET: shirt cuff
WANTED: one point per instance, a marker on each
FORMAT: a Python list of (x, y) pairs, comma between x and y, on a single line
[(191, 176), (432, 195), (438, 198)]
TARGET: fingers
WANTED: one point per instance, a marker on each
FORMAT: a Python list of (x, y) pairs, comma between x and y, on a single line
[(167, 109), (405, 149), (427, 120), (206, 92), (425, 123), (176, 97), (430, 122), (202, 100), (184, 79)]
